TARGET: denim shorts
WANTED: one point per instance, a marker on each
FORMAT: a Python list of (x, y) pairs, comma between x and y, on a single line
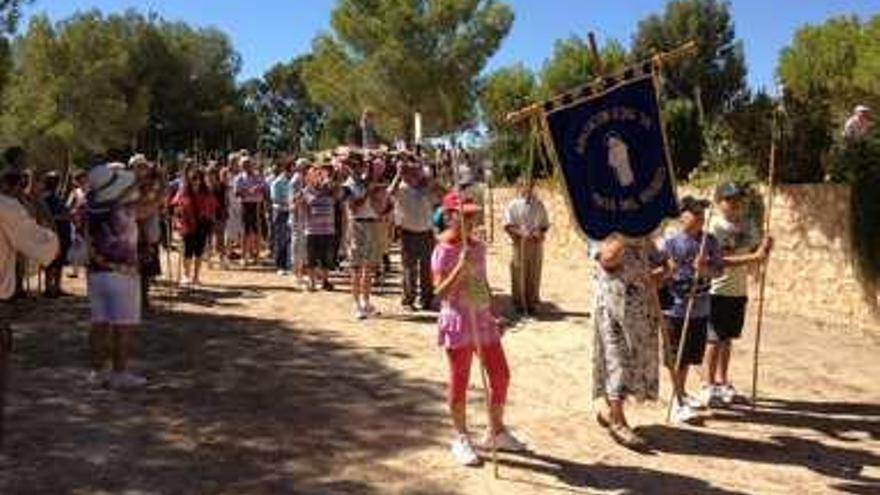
[(115, 298)]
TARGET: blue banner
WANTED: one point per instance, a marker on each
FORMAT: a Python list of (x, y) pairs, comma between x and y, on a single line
[(612, 153)]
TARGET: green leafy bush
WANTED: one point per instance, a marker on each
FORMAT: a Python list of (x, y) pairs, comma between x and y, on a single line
[(858, 164)]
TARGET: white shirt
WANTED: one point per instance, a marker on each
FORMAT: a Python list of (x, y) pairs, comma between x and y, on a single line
[(414, 208), (526, 216), (856, 128), (20, 233)]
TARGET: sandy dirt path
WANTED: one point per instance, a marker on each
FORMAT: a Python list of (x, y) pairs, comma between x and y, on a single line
[(259, 388)]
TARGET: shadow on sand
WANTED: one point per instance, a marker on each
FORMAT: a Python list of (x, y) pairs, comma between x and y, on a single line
[(234, 405)]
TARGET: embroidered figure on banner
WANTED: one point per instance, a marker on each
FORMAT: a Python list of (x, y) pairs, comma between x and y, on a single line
[(618, 159), (612, 153)]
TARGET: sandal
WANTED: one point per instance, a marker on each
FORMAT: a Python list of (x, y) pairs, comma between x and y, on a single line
[(625, 437), (603, 421)]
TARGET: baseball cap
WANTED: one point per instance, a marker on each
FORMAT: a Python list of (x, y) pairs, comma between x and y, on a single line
[(692, 205), (862, 108), (728, 190)]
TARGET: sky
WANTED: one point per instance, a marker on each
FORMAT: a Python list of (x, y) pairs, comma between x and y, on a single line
[(269, 31)]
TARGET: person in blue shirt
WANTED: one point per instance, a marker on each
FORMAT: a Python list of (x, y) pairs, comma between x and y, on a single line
[(691, 273), (281, 195)]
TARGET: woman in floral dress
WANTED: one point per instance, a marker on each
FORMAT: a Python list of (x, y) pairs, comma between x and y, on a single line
[(627, 319)]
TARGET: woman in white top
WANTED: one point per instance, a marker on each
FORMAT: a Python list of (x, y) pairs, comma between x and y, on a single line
[(234, 223)]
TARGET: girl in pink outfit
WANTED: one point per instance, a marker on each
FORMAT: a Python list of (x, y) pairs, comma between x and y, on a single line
[(467, 326)]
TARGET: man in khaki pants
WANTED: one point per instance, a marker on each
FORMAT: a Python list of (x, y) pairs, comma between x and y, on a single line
[(525, 221), (19, 234)]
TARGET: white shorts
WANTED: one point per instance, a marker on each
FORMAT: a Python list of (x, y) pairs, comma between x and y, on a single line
[(115, 298)]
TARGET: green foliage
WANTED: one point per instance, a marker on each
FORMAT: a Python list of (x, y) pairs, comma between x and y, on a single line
[(93, 83), (514, 87), (685, 135), (399, 57), (289, 119), (723, 160), (838, 58), (10, 14), (572, 65), (718, 69), (750, 124), (503, 91), (808, 134), (858, 164), (827, 70)]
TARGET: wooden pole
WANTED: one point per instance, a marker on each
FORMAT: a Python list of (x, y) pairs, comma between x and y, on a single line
[(490, 202), (692, 296), (594, 52), (768, 210), (475, 336)]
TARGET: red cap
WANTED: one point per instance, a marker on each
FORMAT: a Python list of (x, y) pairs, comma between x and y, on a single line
[(453, 202)]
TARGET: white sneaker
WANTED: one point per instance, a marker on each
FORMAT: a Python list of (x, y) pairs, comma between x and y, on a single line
[(682, 413), (98, 379), (463, 451), (710, 395), (504, 442), (727, 393), (693, 402), (126, 380), (370, 310), (359, 312)]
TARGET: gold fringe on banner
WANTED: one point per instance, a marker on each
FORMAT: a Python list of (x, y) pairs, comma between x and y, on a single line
[(601, 84)]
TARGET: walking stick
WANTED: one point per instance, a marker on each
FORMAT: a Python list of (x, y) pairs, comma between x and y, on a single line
[(771, 187), (688, 310), (472, 325)]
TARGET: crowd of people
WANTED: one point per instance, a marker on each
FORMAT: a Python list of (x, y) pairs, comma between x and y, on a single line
[(341, 211)]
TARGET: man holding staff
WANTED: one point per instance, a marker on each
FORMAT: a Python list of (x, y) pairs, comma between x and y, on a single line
[(525, 221), (741, 246), (695, 258)]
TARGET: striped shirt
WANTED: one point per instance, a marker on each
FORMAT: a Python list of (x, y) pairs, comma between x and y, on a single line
[(250, 187), (320, 211)]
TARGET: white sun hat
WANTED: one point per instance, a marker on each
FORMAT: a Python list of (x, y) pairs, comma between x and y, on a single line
[(110, 182), (137, 159)]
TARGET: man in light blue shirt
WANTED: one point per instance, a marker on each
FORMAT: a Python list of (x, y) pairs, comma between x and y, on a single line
[(280, 193)]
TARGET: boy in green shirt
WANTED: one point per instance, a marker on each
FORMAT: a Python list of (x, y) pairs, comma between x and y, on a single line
[(741, 246)]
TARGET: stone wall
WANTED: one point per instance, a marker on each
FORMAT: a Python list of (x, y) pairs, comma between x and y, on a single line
[(811, 272)]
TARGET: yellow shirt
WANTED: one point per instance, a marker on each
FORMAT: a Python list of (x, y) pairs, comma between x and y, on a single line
[(734, 239)]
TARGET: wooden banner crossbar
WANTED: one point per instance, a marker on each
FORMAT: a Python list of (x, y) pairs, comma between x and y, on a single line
[(600, 83)]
